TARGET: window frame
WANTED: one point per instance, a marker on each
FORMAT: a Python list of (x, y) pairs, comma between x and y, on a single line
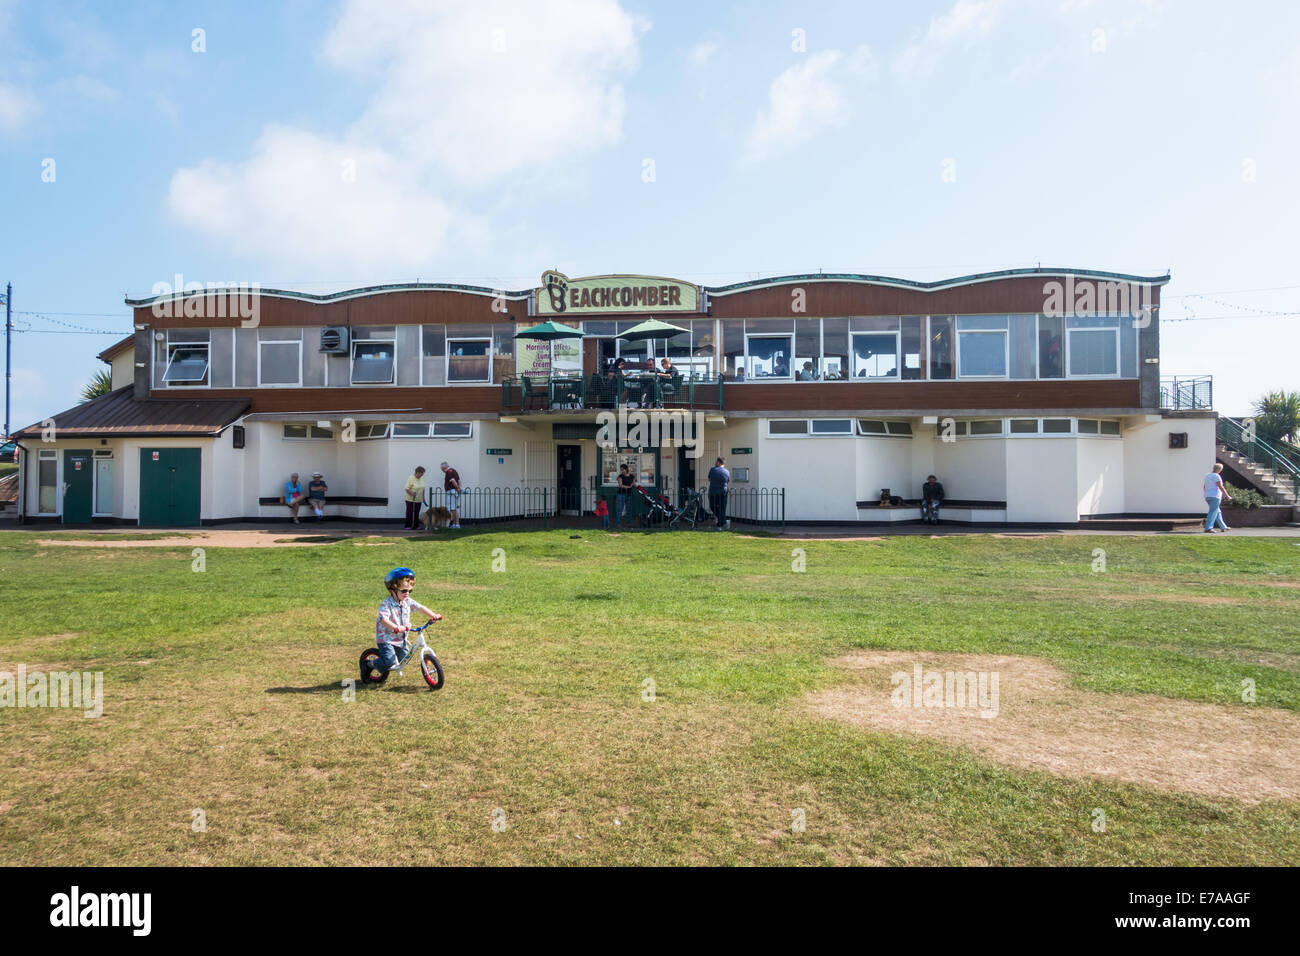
[(1069, 349), (959, 332), (370, 431), (48, 454), (352, 362), (469, 432), (297, 342), (773, 421), (449, 344), (170, 349), (898, 357), (749, 362), (308, 432)]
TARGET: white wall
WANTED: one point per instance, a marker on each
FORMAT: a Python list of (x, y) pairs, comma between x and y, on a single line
[(974, 469), (1042, 479), (884, 463), (1163, 480), (1101, 476)]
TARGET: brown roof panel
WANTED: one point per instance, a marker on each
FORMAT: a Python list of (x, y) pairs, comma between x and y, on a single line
[(119, 415)]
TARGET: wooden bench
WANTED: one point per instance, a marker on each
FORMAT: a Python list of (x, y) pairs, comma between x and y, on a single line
[(331, 500)]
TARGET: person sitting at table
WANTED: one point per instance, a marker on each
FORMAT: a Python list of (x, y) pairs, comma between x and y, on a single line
[(665, 374), (807, 373)]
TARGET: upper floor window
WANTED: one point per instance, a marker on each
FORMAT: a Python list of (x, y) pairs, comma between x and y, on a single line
[(373, 362), (768, 356), (187, 357), (875, 355), (982, 346), (1093, 346), (469, 360), (279, 362)]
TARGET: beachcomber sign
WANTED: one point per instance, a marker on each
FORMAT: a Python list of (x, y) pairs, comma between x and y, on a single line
[(560, 295)]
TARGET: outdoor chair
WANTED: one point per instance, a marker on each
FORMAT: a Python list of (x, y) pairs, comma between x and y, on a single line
[(531, 391)]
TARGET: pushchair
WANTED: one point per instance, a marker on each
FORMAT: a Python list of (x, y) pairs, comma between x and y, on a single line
[(659, 509), (692, 512)]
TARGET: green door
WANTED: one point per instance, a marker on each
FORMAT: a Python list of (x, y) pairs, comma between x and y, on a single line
[(169, 487), (78, 485)]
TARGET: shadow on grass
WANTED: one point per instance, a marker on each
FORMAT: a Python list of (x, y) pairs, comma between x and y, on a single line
[(337, 686)]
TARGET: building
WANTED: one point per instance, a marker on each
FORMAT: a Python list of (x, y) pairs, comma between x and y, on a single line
[(1034, 395)]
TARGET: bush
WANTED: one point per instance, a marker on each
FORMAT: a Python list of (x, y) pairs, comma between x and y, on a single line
[(1246, 497)]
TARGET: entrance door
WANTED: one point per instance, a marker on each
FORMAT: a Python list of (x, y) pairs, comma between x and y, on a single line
[(78, 484), (685, 475), (169, 487), (568, 482), (103, 486)]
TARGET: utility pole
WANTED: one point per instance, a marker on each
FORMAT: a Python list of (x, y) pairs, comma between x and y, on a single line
[(9, 334)]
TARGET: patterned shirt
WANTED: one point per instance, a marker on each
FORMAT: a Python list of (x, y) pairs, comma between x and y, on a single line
[(393, 614)]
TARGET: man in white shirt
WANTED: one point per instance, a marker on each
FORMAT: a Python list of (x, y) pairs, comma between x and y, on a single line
[(1214, 495)]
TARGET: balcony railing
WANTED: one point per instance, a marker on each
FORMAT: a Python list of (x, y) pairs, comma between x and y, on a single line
[(1189, 393), (525, 393)]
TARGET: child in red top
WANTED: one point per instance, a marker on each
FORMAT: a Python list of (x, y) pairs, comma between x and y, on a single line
[(602, 512)]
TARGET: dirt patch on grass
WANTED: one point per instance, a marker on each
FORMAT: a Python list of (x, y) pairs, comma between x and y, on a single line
[(1043, 722), (1180, 597), (215, 539)]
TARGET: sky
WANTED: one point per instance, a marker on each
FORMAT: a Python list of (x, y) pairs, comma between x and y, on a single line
[(324, 146)]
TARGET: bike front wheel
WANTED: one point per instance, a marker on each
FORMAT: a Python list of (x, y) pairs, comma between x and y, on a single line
[(431, 668)]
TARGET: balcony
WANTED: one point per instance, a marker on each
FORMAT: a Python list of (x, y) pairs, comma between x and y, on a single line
[(1189, 393), (525, 393)]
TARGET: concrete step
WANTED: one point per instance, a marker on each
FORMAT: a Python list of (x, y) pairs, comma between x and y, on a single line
[(1140, 524)]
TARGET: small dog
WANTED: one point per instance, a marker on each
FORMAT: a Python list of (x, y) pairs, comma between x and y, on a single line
[(437, 517)]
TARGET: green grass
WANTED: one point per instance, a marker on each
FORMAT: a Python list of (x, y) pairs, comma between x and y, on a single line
[(7, 469), (222, 694)]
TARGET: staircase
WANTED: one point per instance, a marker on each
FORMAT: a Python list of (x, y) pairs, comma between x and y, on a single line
[(1270, 471)]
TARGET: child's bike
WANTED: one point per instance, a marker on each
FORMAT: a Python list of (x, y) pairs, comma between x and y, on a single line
[(430, 666)]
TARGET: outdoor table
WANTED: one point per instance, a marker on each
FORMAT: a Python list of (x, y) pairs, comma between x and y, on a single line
[(566, 392)]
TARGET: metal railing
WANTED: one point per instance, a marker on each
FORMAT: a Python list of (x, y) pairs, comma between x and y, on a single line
[(563, 506), (1243, 440), (525, 393), (1190, 393)]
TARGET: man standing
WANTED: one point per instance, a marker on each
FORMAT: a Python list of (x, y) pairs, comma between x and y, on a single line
[(1214, 495), (451, 488), (414, 498), (719, 485), (316, 489), (931, 498)]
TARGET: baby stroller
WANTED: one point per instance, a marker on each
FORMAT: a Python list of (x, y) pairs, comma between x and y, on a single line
[(693, 512), (659, 509)]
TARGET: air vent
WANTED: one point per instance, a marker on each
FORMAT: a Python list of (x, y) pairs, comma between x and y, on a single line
[(1178, 439), (334, 339)]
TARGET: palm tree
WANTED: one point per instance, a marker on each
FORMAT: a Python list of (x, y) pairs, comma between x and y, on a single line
[(100, 384), (1277, 416)]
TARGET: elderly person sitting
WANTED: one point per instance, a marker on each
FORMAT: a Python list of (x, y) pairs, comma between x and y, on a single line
[(316, 489), (293, 496)]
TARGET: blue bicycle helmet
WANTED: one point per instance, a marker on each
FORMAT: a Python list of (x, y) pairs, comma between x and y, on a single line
[(396, 573)]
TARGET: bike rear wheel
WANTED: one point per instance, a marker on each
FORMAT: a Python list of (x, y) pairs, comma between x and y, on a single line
[(431, 668), (368, 673)]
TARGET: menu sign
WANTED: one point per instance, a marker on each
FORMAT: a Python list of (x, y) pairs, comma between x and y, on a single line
[(560, 295)]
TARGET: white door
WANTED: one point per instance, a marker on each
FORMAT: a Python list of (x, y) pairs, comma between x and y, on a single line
[(103, 486)]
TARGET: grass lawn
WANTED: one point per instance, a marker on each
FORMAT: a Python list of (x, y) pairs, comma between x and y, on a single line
[(222, 694), (7, 468)]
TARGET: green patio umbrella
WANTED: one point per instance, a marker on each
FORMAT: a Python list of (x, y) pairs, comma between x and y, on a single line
[(652, 329), (549, 331)]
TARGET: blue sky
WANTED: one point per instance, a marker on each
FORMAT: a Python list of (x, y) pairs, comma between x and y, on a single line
[(323, 146)]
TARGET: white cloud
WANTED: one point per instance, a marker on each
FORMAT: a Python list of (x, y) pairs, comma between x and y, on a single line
[(803, 100), (466, 96), (701, 53), (966, 22), (17, 106)]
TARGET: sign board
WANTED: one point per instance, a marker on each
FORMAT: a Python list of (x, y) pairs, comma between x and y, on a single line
[(500, 451), (533, 357), (742, 451), (603, 295), (155, 456)]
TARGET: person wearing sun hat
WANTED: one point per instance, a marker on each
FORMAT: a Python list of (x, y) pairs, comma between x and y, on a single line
[(316, 489)]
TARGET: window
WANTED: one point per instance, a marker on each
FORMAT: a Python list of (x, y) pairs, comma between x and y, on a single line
[(870, 426), (991, 426), (835, 349), (1109, 428), (787, 426), (103, 481), (1024, 426), (640, 464), (1051, 346), (433, 352), (1094, 352), (1056, 426), (912, 342), (832, 426), (807, 349), (452, 429), (279, 363), (940, 346), (372, 430), (469, 360), (899, 428), (1087, 426), (410, 429), (1091, 426), (372, 363), (768, 356), (187, 364), (982, 346), (305, 432), (47, 472), (875, 355)]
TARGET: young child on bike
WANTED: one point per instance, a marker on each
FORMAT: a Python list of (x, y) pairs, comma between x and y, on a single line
[(394, 618)]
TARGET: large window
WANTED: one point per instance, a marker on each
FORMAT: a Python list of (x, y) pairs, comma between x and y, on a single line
[(768, 356), (982, 346), (835, 349), (279, 362), (1093, 346), (186, 355), (640, 464), (372, 362), (1051, 346), (875, 355), (940, 346), (469, 360)]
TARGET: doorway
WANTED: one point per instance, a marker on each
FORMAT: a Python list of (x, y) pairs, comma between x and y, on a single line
[(169, 487), (568, 483), (78, 485), (685, 475)]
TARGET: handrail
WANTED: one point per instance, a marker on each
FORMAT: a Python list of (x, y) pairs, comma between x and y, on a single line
[(1192, 392), (1249, 445)]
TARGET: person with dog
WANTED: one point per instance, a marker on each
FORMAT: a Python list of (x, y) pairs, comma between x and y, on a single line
[(451, 488), (414, 498)]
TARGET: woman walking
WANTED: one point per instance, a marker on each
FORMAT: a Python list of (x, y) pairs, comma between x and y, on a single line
[(414, 499)]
